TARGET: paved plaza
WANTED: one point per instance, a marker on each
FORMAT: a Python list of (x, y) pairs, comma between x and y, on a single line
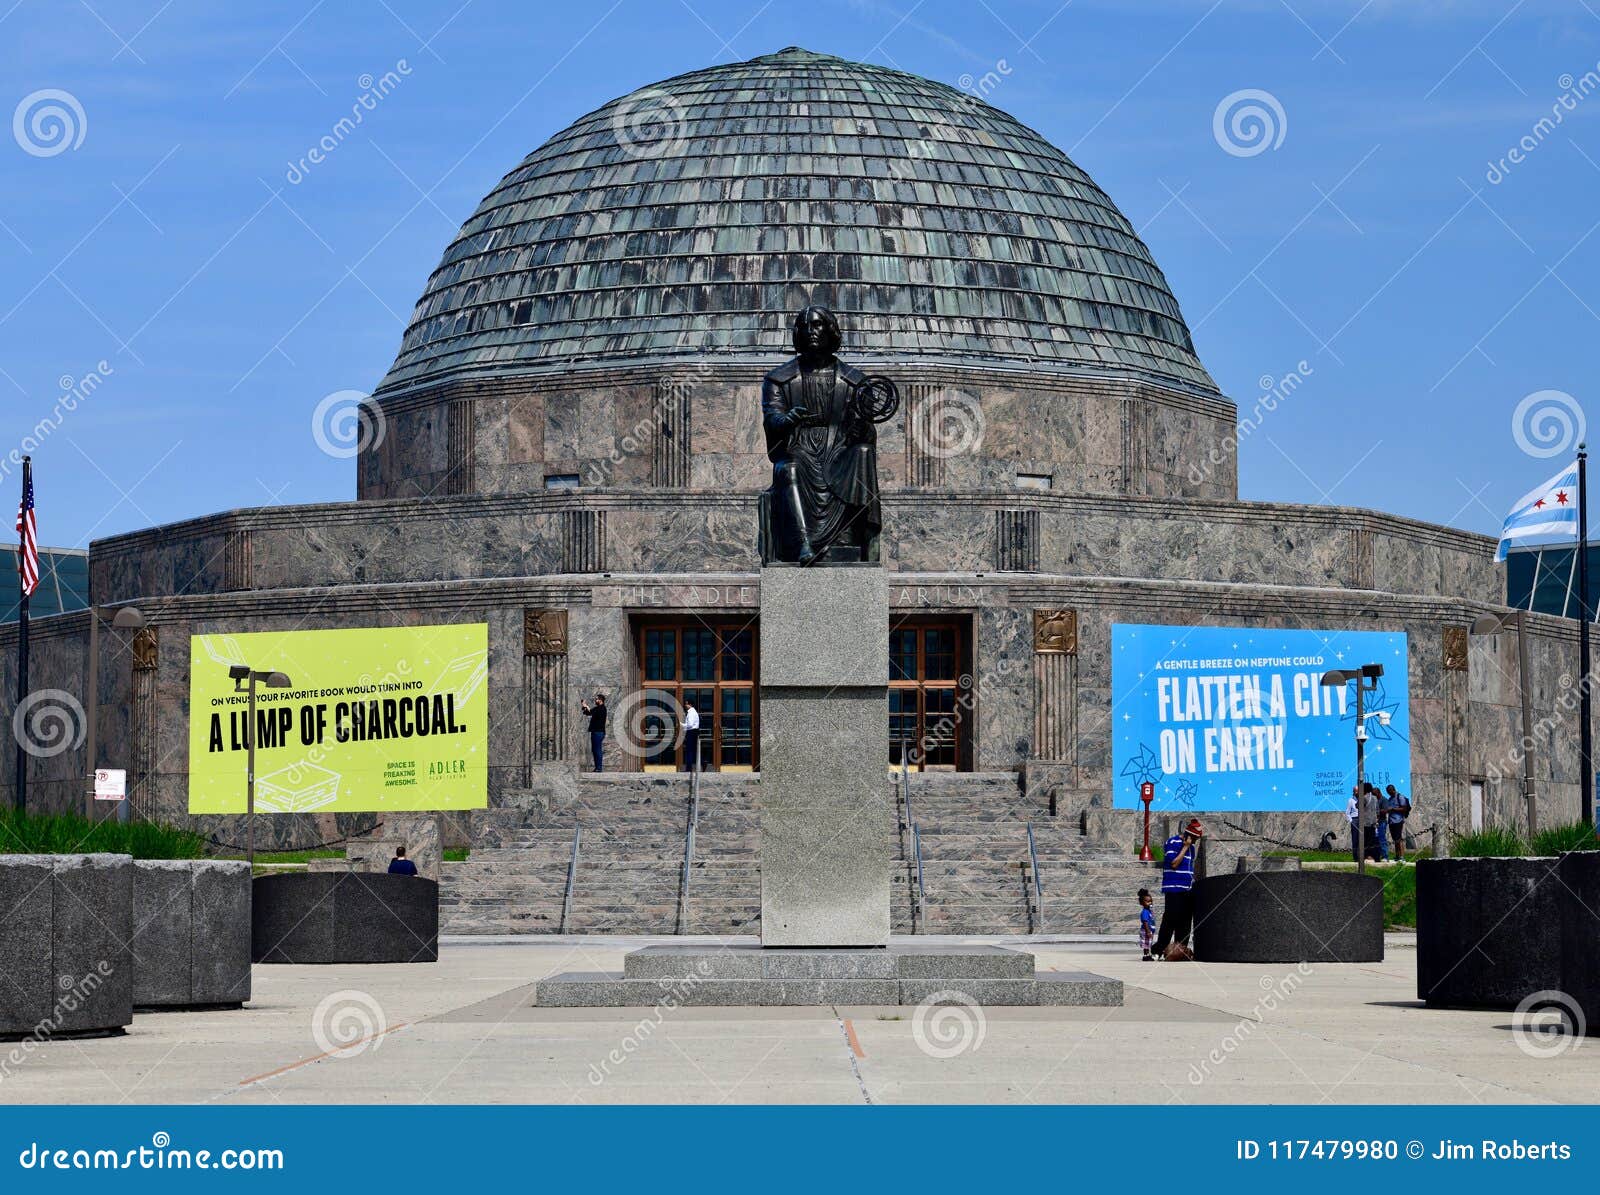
[(462, 1031)]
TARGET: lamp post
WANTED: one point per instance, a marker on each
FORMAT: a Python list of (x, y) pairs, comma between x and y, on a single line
[(1493, 624), (1366, 678), (1147, 793), (240, 674), (127, 618)]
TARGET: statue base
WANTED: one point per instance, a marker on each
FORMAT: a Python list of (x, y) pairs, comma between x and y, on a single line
[(747, 975), (826, 814)]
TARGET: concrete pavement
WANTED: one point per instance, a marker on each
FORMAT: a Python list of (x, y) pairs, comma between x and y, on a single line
[(461, 1031)]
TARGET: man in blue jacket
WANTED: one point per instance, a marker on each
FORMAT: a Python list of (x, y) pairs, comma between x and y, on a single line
[(1177, 887)]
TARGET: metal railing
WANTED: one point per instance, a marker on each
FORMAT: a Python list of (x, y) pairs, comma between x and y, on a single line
[(919, 894), (572, 879), (920, 897), (1038, 882), (688, 849)]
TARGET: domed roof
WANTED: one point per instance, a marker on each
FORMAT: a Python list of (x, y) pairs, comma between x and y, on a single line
[(694, 217)]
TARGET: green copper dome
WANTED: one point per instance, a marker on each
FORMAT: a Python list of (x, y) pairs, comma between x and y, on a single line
[(694, 217)]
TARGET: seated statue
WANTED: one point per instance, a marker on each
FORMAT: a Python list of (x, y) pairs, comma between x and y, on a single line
[(819, 419)]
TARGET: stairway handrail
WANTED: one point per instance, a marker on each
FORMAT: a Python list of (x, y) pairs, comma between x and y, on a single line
[(688, 847), (1038, 882), (572, 877)]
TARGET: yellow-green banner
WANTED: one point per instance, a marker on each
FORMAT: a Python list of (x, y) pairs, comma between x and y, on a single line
[(374, 719)]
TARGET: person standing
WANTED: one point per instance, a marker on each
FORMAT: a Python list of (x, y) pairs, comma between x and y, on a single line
[(1352, 812), (1372, 826), (1177, 888), (1147, 924), (1399, 811), (691, 738), (596, 714), (400, 865)]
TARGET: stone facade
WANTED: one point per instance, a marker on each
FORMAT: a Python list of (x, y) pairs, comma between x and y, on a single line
[(604, 428)]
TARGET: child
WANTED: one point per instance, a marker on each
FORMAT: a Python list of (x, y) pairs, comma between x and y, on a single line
[(1147, 924)]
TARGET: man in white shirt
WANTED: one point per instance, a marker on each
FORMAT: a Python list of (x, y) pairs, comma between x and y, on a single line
[(1352, 810), (691, 738)]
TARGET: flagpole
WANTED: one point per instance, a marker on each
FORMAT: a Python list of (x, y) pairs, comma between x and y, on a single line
[(22, 654), (1585, 730)]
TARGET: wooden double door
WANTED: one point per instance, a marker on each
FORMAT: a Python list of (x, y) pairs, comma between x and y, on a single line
[(712, 664)]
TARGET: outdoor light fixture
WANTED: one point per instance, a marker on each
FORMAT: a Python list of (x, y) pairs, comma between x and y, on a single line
[(1493, 624), (127, 618), (239, 674), (1366, 678)]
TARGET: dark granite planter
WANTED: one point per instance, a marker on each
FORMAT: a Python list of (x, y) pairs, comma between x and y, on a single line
[(345, 917), (1488, 931), (191, 942), (1289, 917), (63, 945), (1580, 934)]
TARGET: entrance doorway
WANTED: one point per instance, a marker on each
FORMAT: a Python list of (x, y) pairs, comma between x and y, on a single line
[(709, 663)]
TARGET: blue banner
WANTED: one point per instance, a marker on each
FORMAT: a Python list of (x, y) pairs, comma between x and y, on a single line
[(1237, 717)]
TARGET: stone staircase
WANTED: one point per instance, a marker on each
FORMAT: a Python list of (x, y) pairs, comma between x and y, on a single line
[(972, 826)]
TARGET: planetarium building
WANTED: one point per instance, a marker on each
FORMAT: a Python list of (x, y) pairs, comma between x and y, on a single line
[(568, 449)]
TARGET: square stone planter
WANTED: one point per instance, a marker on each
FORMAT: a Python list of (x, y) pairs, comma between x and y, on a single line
[(1579, 933), (63, 945), (191, 933), (1289, 917), (345, 917), (1488, 931)]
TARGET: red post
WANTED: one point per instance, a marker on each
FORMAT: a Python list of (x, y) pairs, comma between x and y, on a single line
[(1147, 793)]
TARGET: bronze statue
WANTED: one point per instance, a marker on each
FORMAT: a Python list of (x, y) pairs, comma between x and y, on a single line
[(819, 415)]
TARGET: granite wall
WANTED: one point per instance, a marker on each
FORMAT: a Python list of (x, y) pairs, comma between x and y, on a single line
[(433, 541), (1464, 709), (1097, 435)]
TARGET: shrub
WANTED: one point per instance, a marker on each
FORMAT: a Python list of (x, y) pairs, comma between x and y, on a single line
[(1498, 841), (74, 834), (1578, 836)]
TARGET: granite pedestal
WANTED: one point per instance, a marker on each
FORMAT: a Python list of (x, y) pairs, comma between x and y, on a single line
[(345, 917), (825, 820), (65, 969), (191, 933), (1289, 917), (1488, 931), (747, 975)]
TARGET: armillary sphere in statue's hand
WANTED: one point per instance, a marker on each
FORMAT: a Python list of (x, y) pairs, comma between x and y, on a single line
[(875, 399)]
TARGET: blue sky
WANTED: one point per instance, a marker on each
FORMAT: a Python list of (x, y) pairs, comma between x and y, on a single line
[(1385, 239)]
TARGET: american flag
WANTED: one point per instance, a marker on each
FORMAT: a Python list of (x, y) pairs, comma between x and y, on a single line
[(28, 530)]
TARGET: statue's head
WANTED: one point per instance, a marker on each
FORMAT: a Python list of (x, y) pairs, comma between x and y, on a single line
[(815, 331)]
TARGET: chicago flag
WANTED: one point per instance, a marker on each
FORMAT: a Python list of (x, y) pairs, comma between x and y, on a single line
[(1547, 510)]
